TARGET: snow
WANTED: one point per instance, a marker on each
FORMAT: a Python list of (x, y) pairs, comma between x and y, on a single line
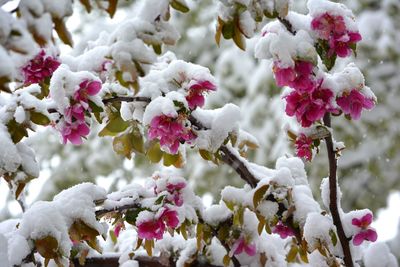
[(64, 83), (219, 123), (54, 219), (378, 254), (10, 159), (216, 214), (316, 231), (283, 47), (304, 202)]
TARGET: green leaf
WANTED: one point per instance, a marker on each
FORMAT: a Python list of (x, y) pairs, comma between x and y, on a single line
[(180, 6), (117, 125), (159, 200), (259, 195), (333, 236), (226, 260), (228, 29), (122, 145), (131, 215), (47, 247), (62, 31), (39, 118), (238, 37), (95, 108), (17, 131), (157, 49), (218, 31), (291, 256), (154, 152), (148, 247), (223, 232)]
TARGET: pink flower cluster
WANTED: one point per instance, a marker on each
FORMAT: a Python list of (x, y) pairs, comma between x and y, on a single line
[(304, 145), (332, 28), (170, 131), (366, 232), (75, 126), (241, 245), (311, 106), (39, 68), (156, 227), (195, 97), (352, 103), (282, 230), (300, 77), (174, 191)]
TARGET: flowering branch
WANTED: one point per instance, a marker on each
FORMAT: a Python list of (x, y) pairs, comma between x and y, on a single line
[(333, 199)]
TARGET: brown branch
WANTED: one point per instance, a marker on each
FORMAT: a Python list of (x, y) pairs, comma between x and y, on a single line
[(232, 160), (127, 99), (112, 261), (287, 25), (333, 201), (100, 213)]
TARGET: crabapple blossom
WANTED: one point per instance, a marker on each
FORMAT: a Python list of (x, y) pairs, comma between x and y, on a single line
[(86, 88), (39, 68), (175, 194), (303, 146), (352, 103), (195, 97), (332, 28), (282, 230), (241, 245), (170, 131), (118, 228), (300, 77), (154, 228), (74, 132), (366, 232), (309, 107)]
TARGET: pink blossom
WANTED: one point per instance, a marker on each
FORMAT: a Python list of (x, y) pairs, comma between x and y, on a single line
[(309, 107), (75, 112), (300, 77), (241, 246), (39, 68), (170, 132), (175, 194), (195, 97), (170, 218), (74, 132), (333, 29), (352, 103), (303, 146), (86, 88), (366, 232), (151, 229), (118, 229), (156, 227), (282, 230)]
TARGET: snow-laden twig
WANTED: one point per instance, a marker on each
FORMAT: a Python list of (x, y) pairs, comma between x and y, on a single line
[(333, 199)]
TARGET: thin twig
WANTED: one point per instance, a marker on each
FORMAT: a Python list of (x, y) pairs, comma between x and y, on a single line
[(102, 212), (333, 201)]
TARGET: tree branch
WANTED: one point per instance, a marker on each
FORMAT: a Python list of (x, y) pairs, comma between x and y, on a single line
[(112, 261), (100, 213), (333, 200), (238, 165)]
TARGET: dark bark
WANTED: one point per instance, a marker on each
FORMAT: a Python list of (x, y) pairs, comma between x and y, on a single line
[(333, 201)]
